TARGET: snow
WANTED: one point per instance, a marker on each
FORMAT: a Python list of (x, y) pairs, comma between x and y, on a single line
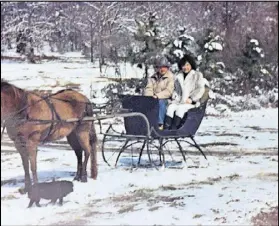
[(177, 43), (238, 180), (221, 64), (216, 46), (264, 71), (181, 28), (179, 53), (46, 75), (213, 45), (256, 42), (259, 50), (199, 58), (107, 201), (187, 37)]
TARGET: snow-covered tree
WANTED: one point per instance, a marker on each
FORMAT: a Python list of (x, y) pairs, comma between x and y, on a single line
[(183, 44), (151, 34), (208, 59), (252, 65)]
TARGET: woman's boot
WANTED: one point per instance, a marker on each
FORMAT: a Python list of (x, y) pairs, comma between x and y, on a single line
[(176, 122), (168, 121)]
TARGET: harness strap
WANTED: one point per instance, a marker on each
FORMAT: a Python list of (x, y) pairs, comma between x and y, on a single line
[(53, 112), (54, 115)]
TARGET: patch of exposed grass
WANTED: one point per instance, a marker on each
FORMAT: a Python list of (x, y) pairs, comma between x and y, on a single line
[(8, 197), (198, 216), (169, 188), (49, 160), (233, 176), (153, 208), (229, 134), (126, 209), (233, 200), (94, 213), (267, 176), (74, 222), (218, 144)]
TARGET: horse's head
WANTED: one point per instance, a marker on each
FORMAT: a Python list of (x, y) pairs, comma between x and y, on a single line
[(12, 99)]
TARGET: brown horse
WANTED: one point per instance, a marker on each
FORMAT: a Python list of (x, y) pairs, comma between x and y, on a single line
[(23, 114)]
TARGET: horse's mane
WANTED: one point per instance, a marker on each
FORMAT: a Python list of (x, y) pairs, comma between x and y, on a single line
[(5, 84), (19, 94)]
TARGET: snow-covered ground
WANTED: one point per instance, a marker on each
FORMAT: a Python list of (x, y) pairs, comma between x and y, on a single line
[(239, 179), (54, 75)]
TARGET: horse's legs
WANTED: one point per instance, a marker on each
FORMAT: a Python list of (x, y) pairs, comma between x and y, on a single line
[(74, 143), (38, 203), (61, 201), (30, 203), (21, 148), (53, 201), (79, 164), (84, 141), (32, 150)]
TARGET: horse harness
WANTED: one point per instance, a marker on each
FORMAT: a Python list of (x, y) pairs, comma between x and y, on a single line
[(54, 116), (21, 120)]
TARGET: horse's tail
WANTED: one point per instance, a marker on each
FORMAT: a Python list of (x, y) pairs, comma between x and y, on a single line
[(93, 143)]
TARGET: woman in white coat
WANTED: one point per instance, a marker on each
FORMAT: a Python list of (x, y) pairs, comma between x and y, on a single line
[(189, 88)]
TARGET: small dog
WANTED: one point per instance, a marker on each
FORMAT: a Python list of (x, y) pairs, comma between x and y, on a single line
[(49, 190)]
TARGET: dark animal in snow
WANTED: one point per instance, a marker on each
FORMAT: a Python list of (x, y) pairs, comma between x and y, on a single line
[(49, 190)]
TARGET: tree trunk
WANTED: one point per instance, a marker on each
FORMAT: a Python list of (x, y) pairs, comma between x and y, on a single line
[(91, 42), (146, 72)]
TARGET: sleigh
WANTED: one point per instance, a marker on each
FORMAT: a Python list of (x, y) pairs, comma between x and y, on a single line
[(140, 116)]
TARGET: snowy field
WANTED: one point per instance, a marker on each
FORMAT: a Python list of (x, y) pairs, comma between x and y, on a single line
[(239, 179)]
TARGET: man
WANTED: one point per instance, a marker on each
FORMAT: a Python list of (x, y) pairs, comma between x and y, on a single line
[(161, 86)]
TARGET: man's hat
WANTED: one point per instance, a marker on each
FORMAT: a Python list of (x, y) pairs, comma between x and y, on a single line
[(162, 62)]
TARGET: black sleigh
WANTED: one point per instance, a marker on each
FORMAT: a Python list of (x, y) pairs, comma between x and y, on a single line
[(140, 114)]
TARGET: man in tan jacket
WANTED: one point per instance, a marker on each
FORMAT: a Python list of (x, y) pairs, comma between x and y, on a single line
[(161, 86)]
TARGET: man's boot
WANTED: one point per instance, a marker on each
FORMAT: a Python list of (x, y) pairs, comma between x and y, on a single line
[(176, 122), (168, 121)]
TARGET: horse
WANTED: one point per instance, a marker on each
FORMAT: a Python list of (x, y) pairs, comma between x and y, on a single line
[(32, 119)]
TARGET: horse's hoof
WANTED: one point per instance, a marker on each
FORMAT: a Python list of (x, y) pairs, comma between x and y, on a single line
[(77, 178), (83, 179)]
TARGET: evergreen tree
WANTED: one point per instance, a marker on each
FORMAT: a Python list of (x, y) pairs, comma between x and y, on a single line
[(251, 64), (211, 46), (180, 46), (152, 35)]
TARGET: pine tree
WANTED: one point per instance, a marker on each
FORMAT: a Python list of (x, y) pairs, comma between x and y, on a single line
[(180, 46), (151, 34), (251, 63), (211, 46)]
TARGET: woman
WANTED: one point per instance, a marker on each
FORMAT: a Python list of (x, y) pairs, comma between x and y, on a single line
[(189, 88)]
